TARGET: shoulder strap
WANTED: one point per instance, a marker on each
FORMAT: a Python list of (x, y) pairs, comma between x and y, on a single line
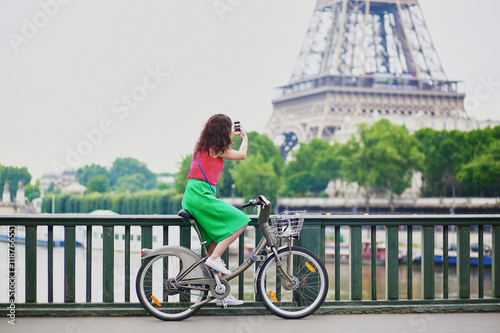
[(199, 166)]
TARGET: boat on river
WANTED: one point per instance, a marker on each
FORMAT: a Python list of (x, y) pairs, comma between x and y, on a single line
[(452, 256)]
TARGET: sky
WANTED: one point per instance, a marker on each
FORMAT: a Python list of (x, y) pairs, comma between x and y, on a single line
[(88, 81)]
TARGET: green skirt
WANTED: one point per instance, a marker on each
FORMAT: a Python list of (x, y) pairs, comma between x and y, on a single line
[(217, 219)]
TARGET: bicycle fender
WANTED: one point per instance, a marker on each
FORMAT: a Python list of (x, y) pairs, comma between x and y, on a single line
[(187, 256)]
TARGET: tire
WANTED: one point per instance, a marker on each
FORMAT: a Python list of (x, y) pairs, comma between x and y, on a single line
[(309, 291), (151, 287)]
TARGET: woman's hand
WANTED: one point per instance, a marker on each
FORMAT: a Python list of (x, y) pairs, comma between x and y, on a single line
[(242, 133), (237, 155)]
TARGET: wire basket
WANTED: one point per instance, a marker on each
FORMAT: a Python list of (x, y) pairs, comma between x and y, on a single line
[(287, 224)]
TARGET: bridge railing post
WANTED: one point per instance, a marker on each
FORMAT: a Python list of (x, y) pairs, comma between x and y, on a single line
[(496, 260), (31, 263), (392, 263), (463, 261), (355, 264), (108, 264), (427, 262)]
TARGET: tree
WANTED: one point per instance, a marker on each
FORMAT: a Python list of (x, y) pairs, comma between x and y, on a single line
[(32, 191), (130, 183), (84, 174), (126, 166), (383, 158), (261, 144), (444, 153), (257, 144), (13, 175), (313, 165), (254, 176), (98, 183), (164, 186), (484, 169), (181, 177)]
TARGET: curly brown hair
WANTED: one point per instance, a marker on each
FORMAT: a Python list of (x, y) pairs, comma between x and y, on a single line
[(216, 135)]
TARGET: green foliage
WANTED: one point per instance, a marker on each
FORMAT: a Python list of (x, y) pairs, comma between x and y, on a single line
[(448, 153), (130, 183), (98, 183), (313, 165), (261, 144), (257, 144), (147, 202), (32, 191), (128, 166), (13, 175), (254, 176), (164, 186), (83, 175), (444, 153), (182, 175), (126, 175), (384, 158), (225, 186), (47, 204), (60, 204), (484, 170)]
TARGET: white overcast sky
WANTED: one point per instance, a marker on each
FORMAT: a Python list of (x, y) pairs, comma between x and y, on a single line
[(67, 76)]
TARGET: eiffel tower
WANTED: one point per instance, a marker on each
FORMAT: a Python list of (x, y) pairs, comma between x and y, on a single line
[(360, 60)]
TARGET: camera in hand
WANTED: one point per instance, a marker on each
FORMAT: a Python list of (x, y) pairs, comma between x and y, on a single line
[(237, 129)]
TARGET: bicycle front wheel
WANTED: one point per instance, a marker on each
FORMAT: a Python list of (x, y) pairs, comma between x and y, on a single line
[(160, 293), (301, 296)]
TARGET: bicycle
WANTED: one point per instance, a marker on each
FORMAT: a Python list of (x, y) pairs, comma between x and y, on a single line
[(173, 282)]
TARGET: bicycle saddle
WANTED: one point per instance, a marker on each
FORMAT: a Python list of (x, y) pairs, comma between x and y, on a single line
[(186, 216)]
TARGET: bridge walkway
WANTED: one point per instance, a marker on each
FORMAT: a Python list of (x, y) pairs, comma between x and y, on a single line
[(366, 323)]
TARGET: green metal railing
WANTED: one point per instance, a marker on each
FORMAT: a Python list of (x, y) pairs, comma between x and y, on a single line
[(312, 237)]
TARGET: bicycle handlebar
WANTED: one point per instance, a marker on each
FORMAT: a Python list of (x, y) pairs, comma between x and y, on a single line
[(259, 201)]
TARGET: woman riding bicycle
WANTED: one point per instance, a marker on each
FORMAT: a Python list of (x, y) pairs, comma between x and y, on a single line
[(220, 223)]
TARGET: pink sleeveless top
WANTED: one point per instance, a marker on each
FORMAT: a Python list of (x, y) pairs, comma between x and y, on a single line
[(212, 167)]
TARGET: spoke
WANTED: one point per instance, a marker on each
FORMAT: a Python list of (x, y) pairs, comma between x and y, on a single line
[(159, 293), (306, 272)]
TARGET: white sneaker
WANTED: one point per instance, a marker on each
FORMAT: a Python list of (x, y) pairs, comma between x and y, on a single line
[(218, 265), (230, 300)]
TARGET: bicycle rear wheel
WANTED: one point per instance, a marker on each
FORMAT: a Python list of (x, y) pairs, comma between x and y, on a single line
[(308, 290), (160, 293)]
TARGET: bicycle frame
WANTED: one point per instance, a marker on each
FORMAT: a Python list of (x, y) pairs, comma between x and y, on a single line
[(267, 240), (194, 273)]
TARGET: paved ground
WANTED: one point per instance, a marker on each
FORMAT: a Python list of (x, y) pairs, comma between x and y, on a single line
[(464, 322)]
